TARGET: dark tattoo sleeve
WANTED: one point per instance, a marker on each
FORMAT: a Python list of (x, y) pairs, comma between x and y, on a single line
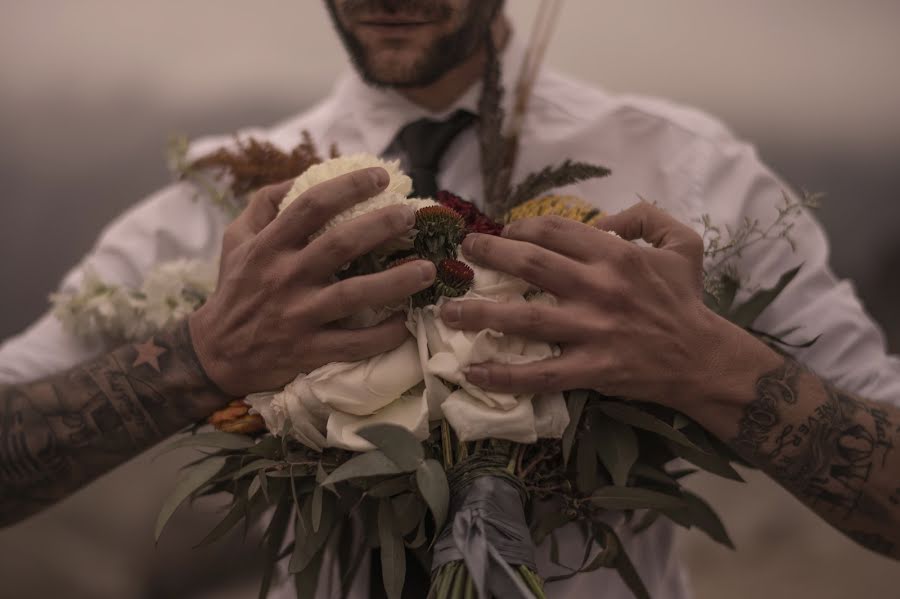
[(831, 449), (58, 434)]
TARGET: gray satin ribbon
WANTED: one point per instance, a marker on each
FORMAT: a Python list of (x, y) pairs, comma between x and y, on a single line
[(489, 533)]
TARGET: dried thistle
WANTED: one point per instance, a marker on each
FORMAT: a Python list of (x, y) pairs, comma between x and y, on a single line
[(439, 230), (454, 278)]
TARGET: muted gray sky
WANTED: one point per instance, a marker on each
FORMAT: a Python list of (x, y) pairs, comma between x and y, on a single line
[(824, 70)]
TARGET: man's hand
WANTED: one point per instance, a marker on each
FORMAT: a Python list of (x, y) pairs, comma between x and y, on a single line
[(630, 318), (273, 313)]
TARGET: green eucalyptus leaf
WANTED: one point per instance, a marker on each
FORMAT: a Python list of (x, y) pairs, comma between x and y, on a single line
[(575, 404), (390, 487), (728, 289), (190, 481), (432, 482), (745, 314), (627, 571), (217, 439), (656, 475), (705, 461), (393, 553), (237, 512), (643, 420), (547, 522), (617, 447), (269, 447), (705, 518), (680, 421), (408, 512), (316, 508), (312, 542), (371, 463), (586, 463), (253, 467), (420, 538), (398, 444), (274, 537), (306, 581), (647, 520), (633, 498)]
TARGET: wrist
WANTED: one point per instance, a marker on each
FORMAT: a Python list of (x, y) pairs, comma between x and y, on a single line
[(199, 328), (729, 362)]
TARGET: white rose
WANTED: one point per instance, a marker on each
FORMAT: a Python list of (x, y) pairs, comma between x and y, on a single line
[(496, 284), (294, 411), (409, 411), (542, 417), (363, 388), (452, 351)]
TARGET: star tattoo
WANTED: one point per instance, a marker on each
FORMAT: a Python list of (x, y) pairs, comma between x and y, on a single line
[(148, 353)]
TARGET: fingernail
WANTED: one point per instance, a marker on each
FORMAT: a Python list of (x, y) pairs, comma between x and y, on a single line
[(476, 374), (427, 271), (505, 231), (451, 312), (379, 176)]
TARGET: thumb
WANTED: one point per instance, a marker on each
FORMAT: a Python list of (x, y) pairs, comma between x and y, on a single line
[(659, 229)]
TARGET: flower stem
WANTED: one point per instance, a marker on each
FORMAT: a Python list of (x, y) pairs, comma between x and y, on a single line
[(446, 446)]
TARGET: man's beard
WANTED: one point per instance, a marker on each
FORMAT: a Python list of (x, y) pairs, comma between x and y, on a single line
[(444, 53)]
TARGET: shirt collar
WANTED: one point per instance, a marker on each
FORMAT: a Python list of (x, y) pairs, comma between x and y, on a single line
[(379, 113)]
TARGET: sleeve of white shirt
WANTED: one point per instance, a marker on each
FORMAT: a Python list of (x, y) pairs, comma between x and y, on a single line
[(851, 350), (167, 225)]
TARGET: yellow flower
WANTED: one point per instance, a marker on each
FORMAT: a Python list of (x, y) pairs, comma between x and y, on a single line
[(566, 206)]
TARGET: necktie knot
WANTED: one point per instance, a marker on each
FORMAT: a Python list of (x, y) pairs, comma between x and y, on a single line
[(424, 142)]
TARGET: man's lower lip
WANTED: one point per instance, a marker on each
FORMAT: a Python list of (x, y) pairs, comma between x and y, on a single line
[(395, 25)]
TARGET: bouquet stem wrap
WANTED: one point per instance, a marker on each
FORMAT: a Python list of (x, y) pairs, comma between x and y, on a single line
[(488, 532)]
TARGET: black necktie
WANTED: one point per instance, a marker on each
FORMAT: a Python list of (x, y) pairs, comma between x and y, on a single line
[(424, 142)]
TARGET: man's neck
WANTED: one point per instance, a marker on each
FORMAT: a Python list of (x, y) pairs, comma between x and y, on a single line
[(445, 91)]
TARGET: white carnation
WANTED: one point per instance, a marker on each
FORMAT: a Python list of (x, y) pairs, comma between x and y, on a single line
[(399, 187)]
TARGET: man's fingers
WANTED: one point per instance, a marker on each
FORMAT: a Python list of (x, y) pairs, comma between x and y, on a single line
[(329, 252), (260, 211), (544, 376), (346, 345), (562, 235), (319, 204), (541, 267), (387, 288), (647, 222), (531, 320)]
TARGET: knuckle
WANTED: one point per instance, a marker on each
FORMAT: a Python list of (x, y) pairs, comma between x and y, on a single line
[(313, 200), (552, 225), (341, 248), (531, 264), (548, 378), (395, 219), (531, 317), (349, 295)]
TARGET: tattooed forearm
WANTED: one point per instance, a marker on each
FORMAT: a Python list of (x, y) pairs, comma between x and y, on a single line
[(60, 433), (834, 451)]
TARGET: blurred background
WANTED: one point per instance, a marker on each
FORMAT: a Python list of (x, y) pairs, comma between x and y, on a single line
[(90, 92)]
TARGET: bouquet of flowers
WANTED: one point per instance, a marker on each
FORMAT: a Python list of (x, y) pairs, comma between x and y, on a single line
[(463, 480)]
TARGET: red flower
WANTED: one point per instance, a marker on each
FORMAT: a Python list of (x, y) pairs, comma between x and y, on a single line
[(476, 221)]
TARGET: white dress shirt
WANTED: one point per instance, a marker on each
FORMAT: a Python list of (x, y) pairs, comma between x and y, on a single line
[(682, 159)]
